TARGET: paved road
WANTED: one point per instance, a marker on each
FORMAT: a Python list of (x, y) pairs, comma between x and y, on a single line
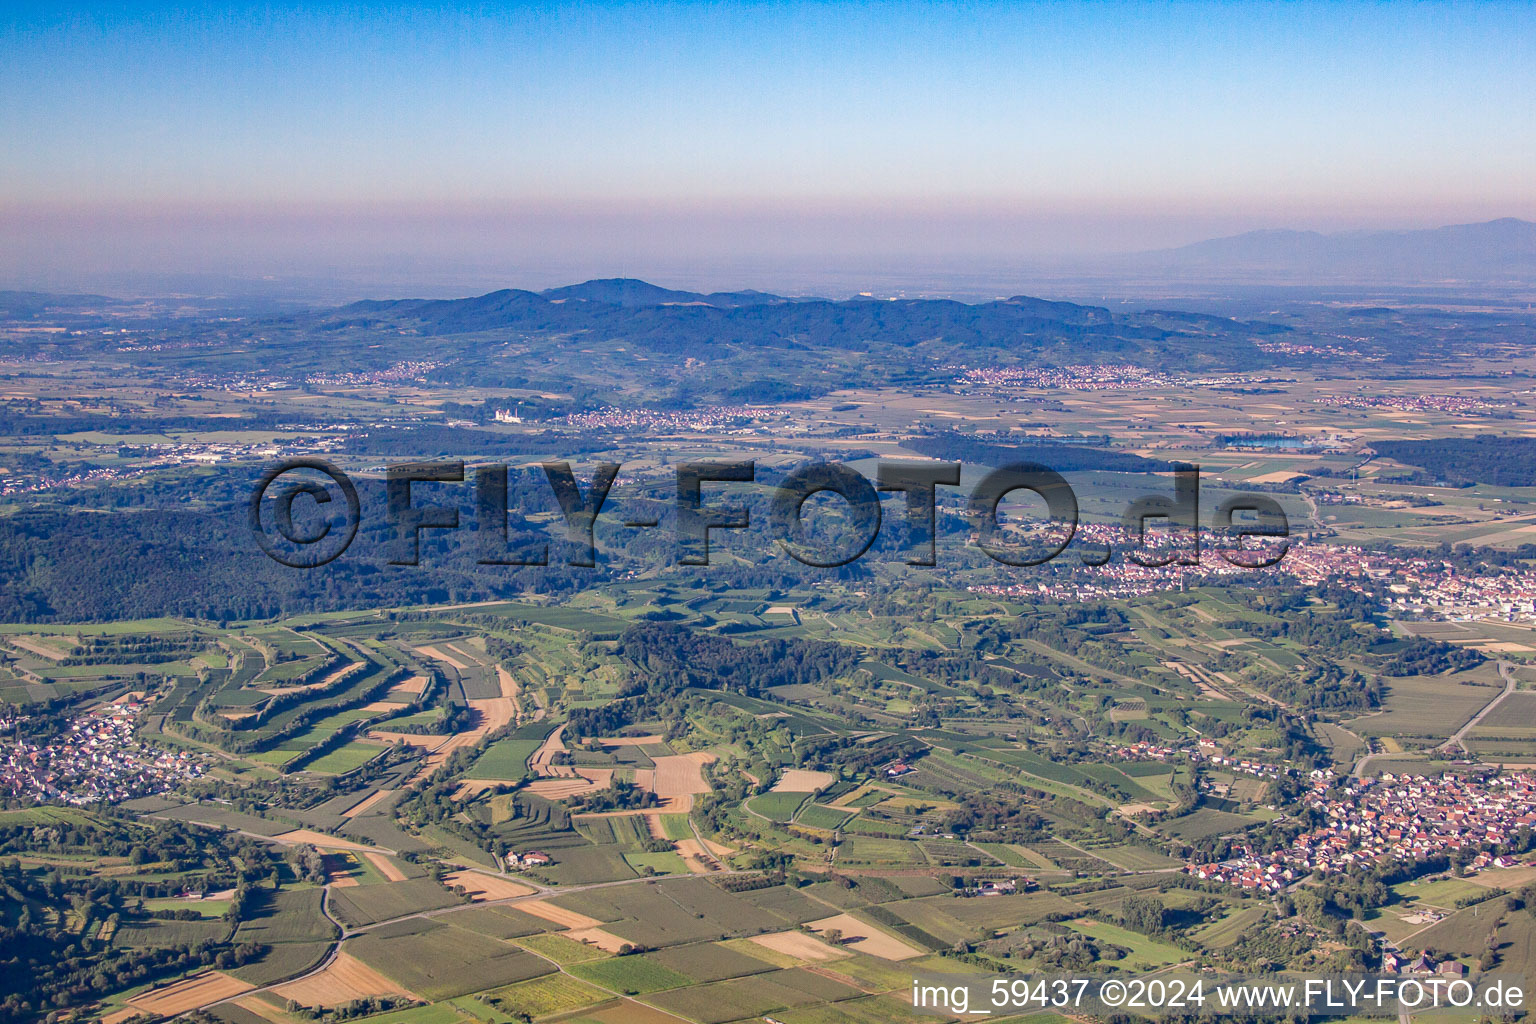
[(1362, 765), (347, 932), (1505, 670), (704, 851)]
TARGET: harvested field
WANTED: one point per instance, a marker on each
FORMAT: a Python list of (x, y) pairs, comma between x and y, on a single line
[(492, 713), (334, 677), (547, 911), (694, 857), (509, 686), (798, 780), (474, 787), (680, 775), (386, 867), (342, 980), (433, 652), (581, 780), (262, 1009), (495, 713), (799, 945), (365, 803), (606, 941), (479, 886), (631, 741), (415, 684), (427, 741), (40, 649), (552, 745), (189, 994), (866, 939), (676, 779), (319, 840)]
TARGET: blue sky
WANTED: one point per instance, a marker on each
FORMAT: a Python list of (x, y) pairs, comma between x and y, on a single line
[(1103, 126)]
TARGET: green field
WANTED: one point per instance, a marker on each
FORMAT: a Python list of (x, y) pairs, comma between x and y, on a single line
[(1144, 953), (553, 993), (776, 806), (346, 758), (754, 996), (507, 759), (1229, 927), (367, 904), (440, 961), (630, 975), (1205, 822), (1429, 706), (561, 950)]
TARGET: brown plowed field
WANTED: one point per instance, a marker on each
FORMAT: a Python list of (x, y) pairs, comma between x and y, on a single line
[(189, 994), (480, 886), (342, 980)]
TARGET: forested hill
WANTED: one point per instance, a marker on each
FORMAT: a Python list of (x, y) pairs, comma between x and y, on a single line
[(665, 348), (1484, 459), (1063, 458), (625, 291), (662, 320)]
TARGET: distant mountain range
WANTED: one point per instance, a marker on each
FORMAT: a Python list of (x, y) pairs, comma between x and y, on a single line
[(683, 349), (1495, 252), (624, 307), (25, 305), (757, 346)]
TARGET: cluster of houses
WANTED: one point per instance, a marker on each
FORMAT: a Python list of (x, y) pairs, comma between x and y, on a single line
[(408, 371), (1086, 377), (1204, 752), (24, 483), (1422, 587), (1291, 348), (1418, 403), (1250, 766), (97, 760), (1107, 377), (714, 417), (1144, 751), (1405, 818), (259, 381)]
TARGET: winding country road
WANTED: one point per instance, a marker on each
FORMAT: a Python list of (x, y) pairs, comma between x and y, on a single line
[(346, 932), (1505, 670), (541, 893)]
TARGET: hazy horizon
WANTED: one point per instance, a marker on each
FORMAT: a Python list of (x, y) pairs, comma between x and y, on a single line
[(537, 144)]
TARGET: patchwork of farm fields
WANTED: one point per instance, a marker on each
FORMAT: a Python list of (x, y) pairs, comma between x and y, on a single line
[(464, 816)]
